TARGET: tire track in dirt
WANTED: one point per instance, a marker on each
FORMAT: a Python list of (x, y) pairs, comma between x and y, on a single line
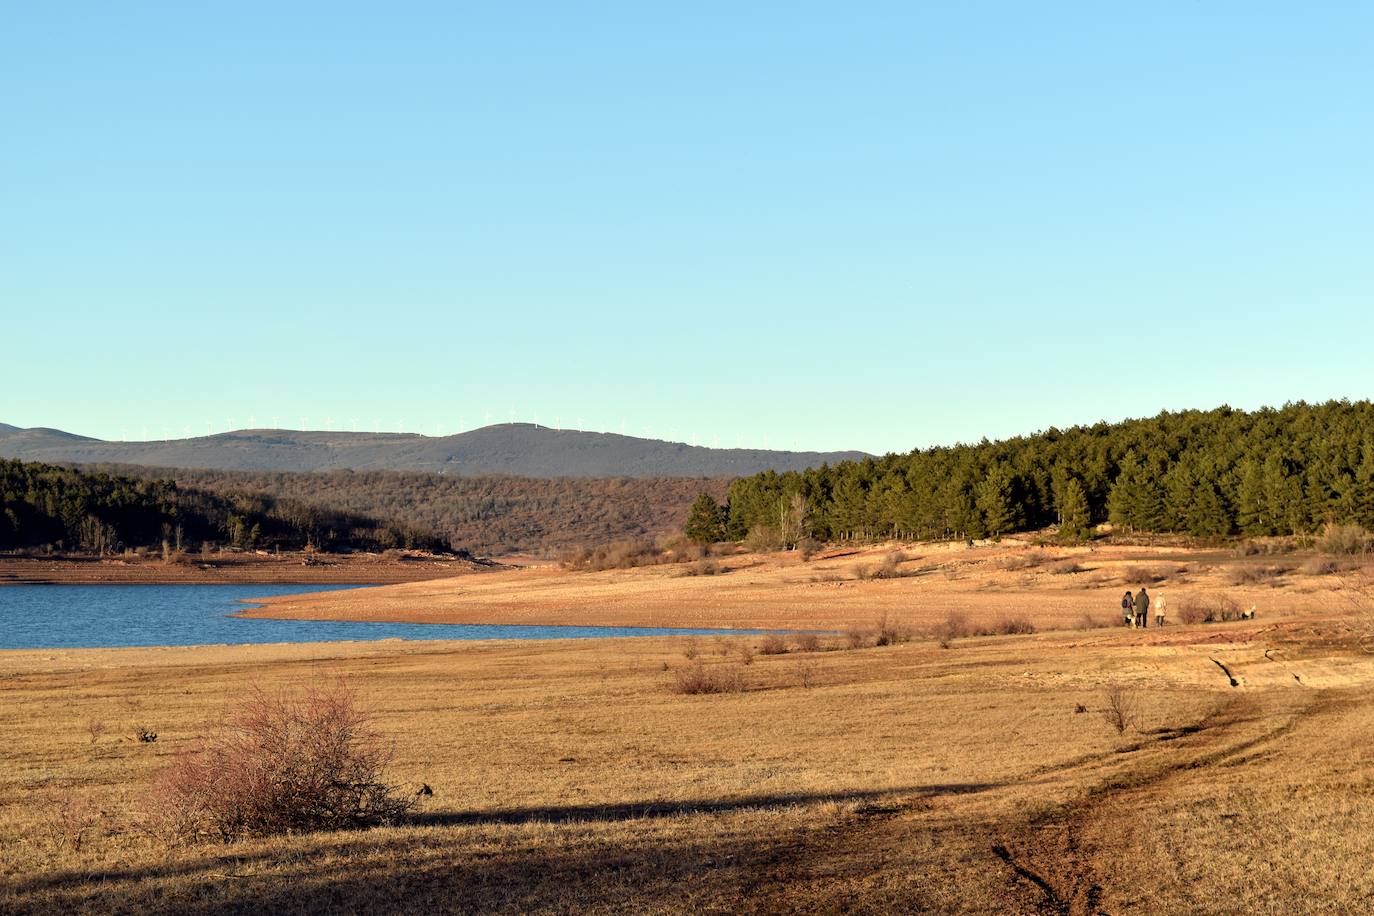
[(1061, 875)]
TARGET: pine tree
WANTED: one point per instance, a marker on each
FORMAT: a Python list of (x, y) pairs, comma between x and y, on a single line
[(1251, 510), (705, 521), (1073, 511), (994, 499)]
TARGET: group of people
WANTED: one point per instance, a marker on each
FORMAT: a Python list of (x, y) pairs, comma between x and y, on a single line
[(1135, 609)]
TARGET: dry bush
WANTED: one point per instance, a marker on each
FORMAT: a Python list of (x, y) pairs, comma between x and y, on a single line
[(857, 637), (697, 678), (1343, 540), (746, 654), (954, 626), (806, 669), (1206, 609), (704, 567), (890, 633), (1028, 560), (808, 642), (1007, 625), (1149, 575), (691, 649), (285, 762), (763, 539), (1255, 575), (1119, 708), (618, 555), (808, 548), (95, 728), (773, 644), (1089, 622), (67, 817), (1064, 568), (1326, 566)]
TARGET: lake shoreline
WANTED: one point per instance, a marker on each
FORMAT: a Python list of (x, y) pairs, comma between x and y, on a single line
[(293, 568)]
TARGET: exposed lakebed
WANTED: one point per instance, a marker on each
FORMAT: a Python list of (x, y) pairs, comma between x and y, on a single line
[(109, 616)]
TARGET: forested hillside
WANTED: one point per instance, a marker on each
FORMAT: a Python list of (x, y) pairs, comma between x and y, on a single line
[(1209, 474), (45, 505), (487, 515)]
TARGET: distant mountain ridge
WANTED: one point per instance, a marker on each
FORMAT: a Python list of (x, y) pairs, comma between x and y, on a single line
[(522, 449)]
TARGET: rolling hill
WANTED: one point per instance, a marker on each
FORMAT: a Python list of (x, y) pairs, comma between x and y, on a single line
[(521, 449)]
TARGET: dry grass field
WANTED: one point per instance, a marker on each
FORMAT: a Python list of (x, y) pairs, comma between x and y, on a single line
[(571, 776)]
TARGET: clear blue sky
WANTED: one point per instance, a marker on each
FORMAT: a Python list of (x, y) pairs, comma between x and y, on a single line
[(870, 226)]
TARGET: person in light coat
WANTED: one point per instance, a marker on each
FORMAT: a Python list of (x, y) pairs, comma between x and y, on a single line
[(1159, 610)]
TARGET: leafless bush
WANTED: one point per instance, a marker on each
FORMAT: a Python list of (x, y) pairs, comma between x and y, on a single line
[(806, 669), (1089, 622), (698, 678), (144, 734), (1007, 625), (96, 729), (67, 817), (1255, 575), (1343, 540), (890, 633), (808, 642), (857, 637), (284, 762), (1028, 560), (704, 567), (1326, 566), (763, 539), (954, 626), (619, 555), (1207, 609), (691, 649), (1119, 708), (773, 644), (746, 654), (808, 548), (1064, 568), (1149, 575)]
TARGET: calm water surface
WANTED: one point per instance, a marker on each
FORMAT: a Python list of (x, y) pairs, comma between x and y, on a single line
[(96, 616)]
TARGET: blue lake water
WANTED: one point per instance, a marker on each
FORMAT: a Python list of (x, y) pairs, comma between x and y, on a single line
[(95, 616)]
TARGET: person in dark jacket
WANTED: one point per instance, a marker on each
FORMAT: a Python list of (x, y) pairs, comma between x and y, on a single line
[(1127, 610), (1142, 608)]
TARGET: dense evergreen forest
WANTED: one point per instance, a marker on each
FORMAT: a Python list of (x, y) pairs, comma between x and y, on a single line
[(1208, 474), (486, 515), (43, 505)]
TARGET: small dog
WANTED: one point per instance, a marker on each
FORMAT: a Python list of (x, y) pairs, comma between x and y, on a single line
[(1248, 615)]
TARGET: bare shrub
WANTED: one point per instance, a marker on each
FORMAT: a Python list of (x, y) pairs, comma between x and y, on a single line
[(1326, 566), (1343, 540), (1008, 625), (889, 567), (746, 654), (1254, 575), (808, 548), (67, 817), (1028, 560), (808, 642), (284, 762), (857, 637), (1119, 708), (1207, 609), (890, 633), (704, 567), (691, 649), (1089, 622), (773, 644), (1064, 568), (697, 678), (1149, 575), (763, 539), (144, 734), (954, 626), (806, 670), (95, 728)]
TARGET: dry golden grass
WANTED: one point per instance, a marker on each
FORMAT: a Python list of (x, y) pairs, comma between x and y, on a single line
[(572, 776)]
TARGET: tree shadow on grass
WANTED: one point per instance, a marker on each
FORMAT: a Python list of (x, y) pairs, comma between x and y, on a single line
[(600, 860)]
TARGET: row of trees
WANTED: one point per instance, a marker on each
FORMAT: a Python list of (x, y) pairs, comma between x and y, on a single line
[(69, 509), (1208, 474)]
